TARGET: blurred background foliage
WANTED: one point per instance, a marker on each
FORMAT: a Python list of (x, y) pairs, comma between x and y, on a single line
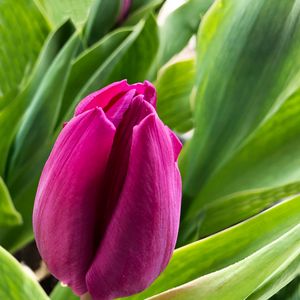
[(227, 74)]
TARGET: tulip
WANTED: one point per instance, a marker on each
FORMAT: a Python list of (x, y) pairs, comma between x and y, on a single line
[(125, 6), (107, 208)]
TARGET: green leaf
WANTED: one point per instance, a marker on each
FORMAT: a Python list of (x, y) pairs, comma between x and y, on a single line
[(141, 12), (138, 4), (13, 112), (241, 206), (23, 25), (62, 293), (129, 61), (265, 168), (102, 18), (174, 86), (289, 292), (8, 214), (41, 116), (222, 284), (15, 282), (137, 60), (37, 127), (244, 73), (58, 11), (184, 20), (250, 255)]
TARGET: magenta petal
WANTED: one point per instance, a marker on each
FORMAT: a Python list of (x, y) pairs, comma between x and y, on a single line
[(177, 146), (141, 235), (125, 5), (68, 195), (102, 97), (112, 97), (148, 90)]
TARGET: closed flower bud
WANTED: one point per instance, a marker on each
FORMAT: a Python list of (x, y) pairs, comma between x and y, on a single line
[(107, 208)]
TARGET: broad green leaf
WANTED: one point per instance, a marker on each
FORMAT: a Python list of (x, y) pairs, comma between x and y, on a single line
[(23, 31), (58, 11), (103, 16), (8, 214), (174, 86), (289, 292), (36, 129), (248, 255), (15, 282), (266, 167), (288, 271), (13, 112), (41, 115), (244, 73), (270, 157), (136, 62), (87, 63), (179, 26), (62, 293), (241, 206), (244, 274), (138, 4)]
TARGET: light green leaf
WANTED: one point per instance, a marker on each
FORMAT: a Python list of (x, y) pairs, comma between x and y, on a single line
[(23, 25), (249, 255), (15, 282), (8, 214), (62, 293), (174, 86), (58, 11), (179, 26), (244, 72), (244, 274)]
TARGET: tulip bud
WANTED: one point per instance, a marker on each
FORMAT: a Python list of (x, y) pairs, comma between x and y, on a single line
[(107, 208), (125, 6)]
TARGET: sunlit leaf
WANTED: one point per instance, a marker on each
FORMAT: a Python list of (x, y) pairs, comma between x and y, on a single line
[(8, 214), (58, 11), (249, 255), (179, 26), (61, 292), (23, 31), (174, 86), (15, 282)]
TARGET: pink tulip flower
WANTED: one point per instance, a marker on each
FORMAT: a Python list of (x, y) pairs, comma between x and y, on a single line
[(125, 6), (107, 208)]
